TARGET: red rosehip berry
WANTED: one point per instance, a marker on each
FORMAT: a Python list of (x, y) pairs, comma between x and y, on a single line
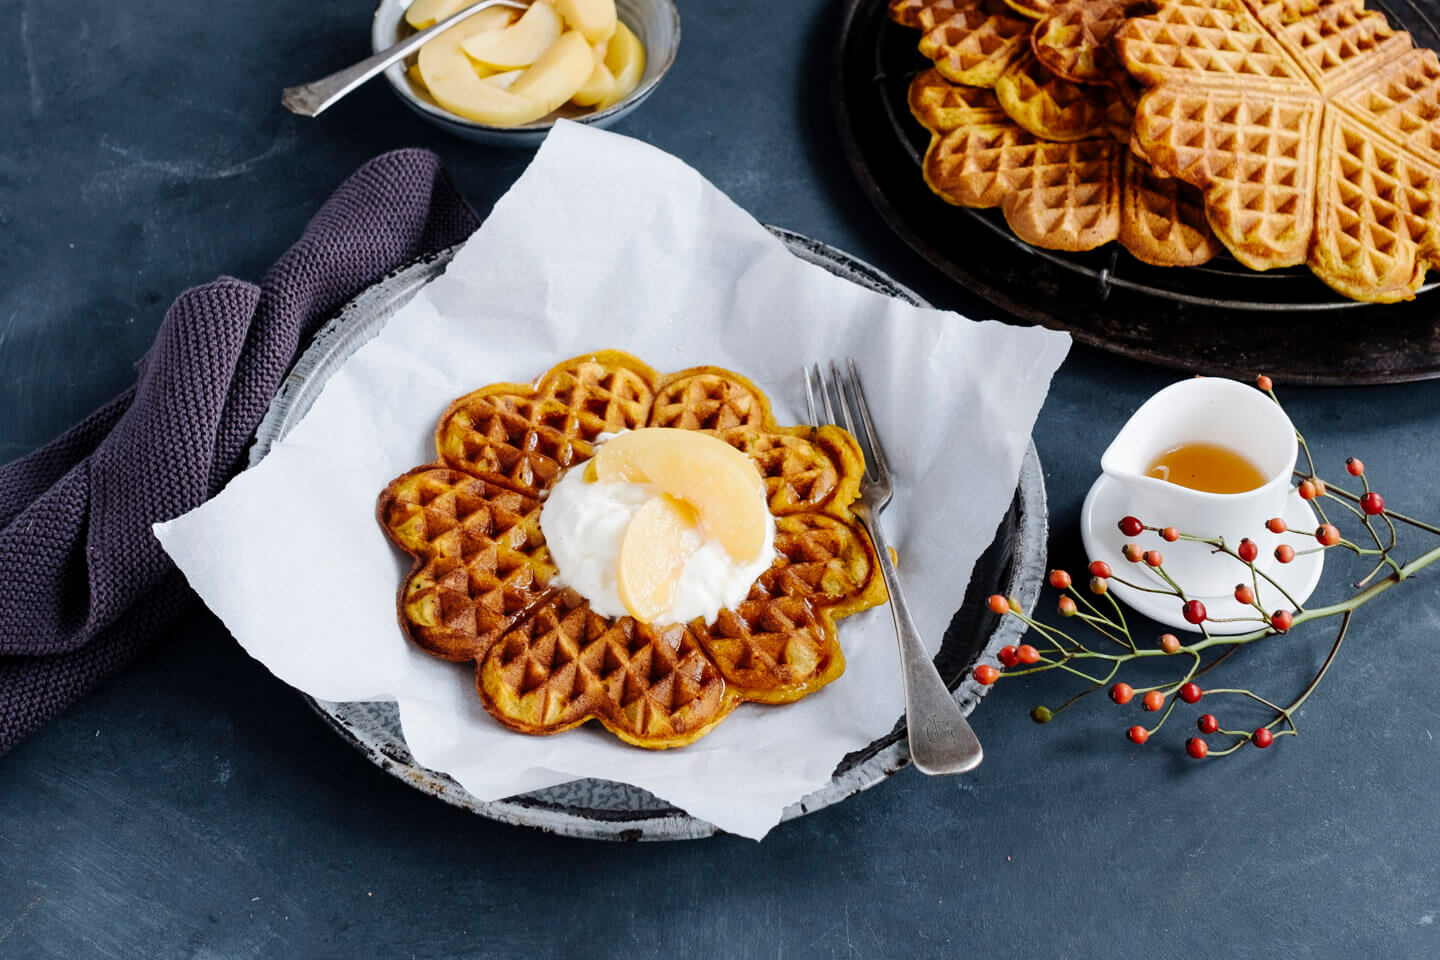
[(1247, 550), (1354, 466), (1328, 534), (1060, 580), (1194, 612), (1067, 607), (1264, 383), (1122, 693), (1282, 620), (1320, 487), (1284, 553), (1276, 525), (998, 604), (1372, 503), (1153, 558), (1132, 552), (1137, 734), (1153, 700), (1308, 490), (1171, 534), (1169, 643), (1243, 594), (1027, 653), (1197, 748), (1131, 526), (1099, 585), (986, 674), (1101, 569), (1263, 738), (1191, 693), (1007, 656), (1207, 723)]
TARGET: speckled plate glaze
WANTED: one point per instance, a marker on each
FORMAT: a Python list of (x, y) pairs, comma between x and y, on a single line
[(598, 809)]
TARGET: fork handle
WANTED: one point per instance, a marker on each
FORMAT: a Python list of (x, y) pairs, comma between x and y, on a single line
[(941, 740), (311, 99)]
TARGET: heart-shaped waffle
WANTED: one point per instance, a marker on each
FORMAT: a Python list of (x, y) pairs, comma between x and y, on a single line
[(1061, 196), (483, 585), (1312, 127)]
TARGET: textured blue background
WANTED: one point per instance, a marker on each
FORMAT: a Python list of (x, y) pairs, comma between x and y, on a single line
[(194, 808)]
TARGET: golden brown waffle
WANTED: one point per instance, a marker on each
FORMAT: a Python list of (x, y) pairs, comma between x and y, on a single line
[(479, 557), (1312, 127), (970, 41), (1053, 108), (1061, 196), (482, 584), (1072, 37)]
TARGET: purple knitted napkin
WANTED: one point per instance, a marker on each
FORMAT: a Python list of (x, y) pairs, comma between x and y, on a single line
[(83, 582)]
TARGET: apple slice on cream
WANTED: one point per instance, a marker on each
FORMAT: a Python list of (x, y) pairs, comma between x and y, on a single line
[(616, 458), (722, 484), (652, 556)]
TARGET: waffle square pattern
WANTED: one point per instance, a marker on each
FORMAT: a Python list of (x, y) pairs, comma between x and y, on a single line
[(1061, 196), (483, 587), (975, 41), (1312, 126)]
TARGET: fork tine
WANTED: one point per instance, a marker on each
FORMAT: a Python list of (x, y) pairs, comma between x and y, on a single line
[(849, 424), (810, 397), (825, 391), (877, 452)]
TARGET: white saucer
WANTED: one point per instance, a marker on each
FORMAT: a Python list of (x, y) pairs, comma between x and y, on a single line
[(1106, 503)]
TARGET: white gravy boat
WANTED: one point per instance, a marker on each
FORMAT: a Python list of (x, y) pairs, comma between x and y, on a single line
[(1216, 411)]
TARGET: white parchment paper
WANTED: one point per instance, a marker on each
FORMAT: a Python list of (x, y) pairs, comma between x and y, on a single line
[(605, 242)]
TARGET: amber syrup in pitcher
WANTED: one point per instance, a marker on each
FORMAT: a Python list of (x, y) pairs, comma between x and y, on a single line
[(1206, 466)]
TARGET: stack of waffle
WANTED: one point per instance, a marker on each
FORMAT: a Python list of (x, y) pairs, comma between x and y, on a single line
[(1288, 131)]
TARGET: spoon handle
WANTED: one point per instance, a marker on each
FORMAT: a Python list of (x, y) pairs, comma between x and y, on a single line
[(311, 99)]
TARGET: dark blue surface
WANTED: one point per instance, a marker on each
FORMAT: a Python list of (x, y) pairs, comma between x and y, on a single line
[(194, 808)]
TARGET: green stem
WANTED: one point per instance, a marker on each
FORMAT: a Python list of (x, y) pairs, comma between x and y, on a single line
[(1060, 664), (1418, 524), (1311, 461), (1283, 711), (1095, 624), (1324, 668), (1124, 627), (1345, 606), (1374, 570), (1086, 692), (1136, 586)]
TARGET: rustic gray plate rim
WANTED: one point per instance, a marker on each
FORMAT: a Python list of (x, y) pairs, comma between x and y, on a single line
[(592, 808)]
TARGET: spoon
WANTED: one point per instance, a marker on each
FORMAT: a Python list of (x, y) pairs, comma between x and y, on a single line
[(312, 99)]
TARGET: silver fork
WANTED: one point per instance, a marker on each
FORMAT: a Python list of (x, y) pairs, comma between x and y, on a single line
[(941, 740)]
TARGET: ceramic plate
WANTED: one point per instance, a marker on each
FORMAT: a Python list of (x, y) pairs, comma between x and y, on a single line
[(1013, 564), (1106, 502)]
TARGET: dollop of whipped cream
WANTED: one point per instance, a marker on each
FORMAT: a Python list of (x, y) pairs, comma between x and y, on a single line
[(584, 522)]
